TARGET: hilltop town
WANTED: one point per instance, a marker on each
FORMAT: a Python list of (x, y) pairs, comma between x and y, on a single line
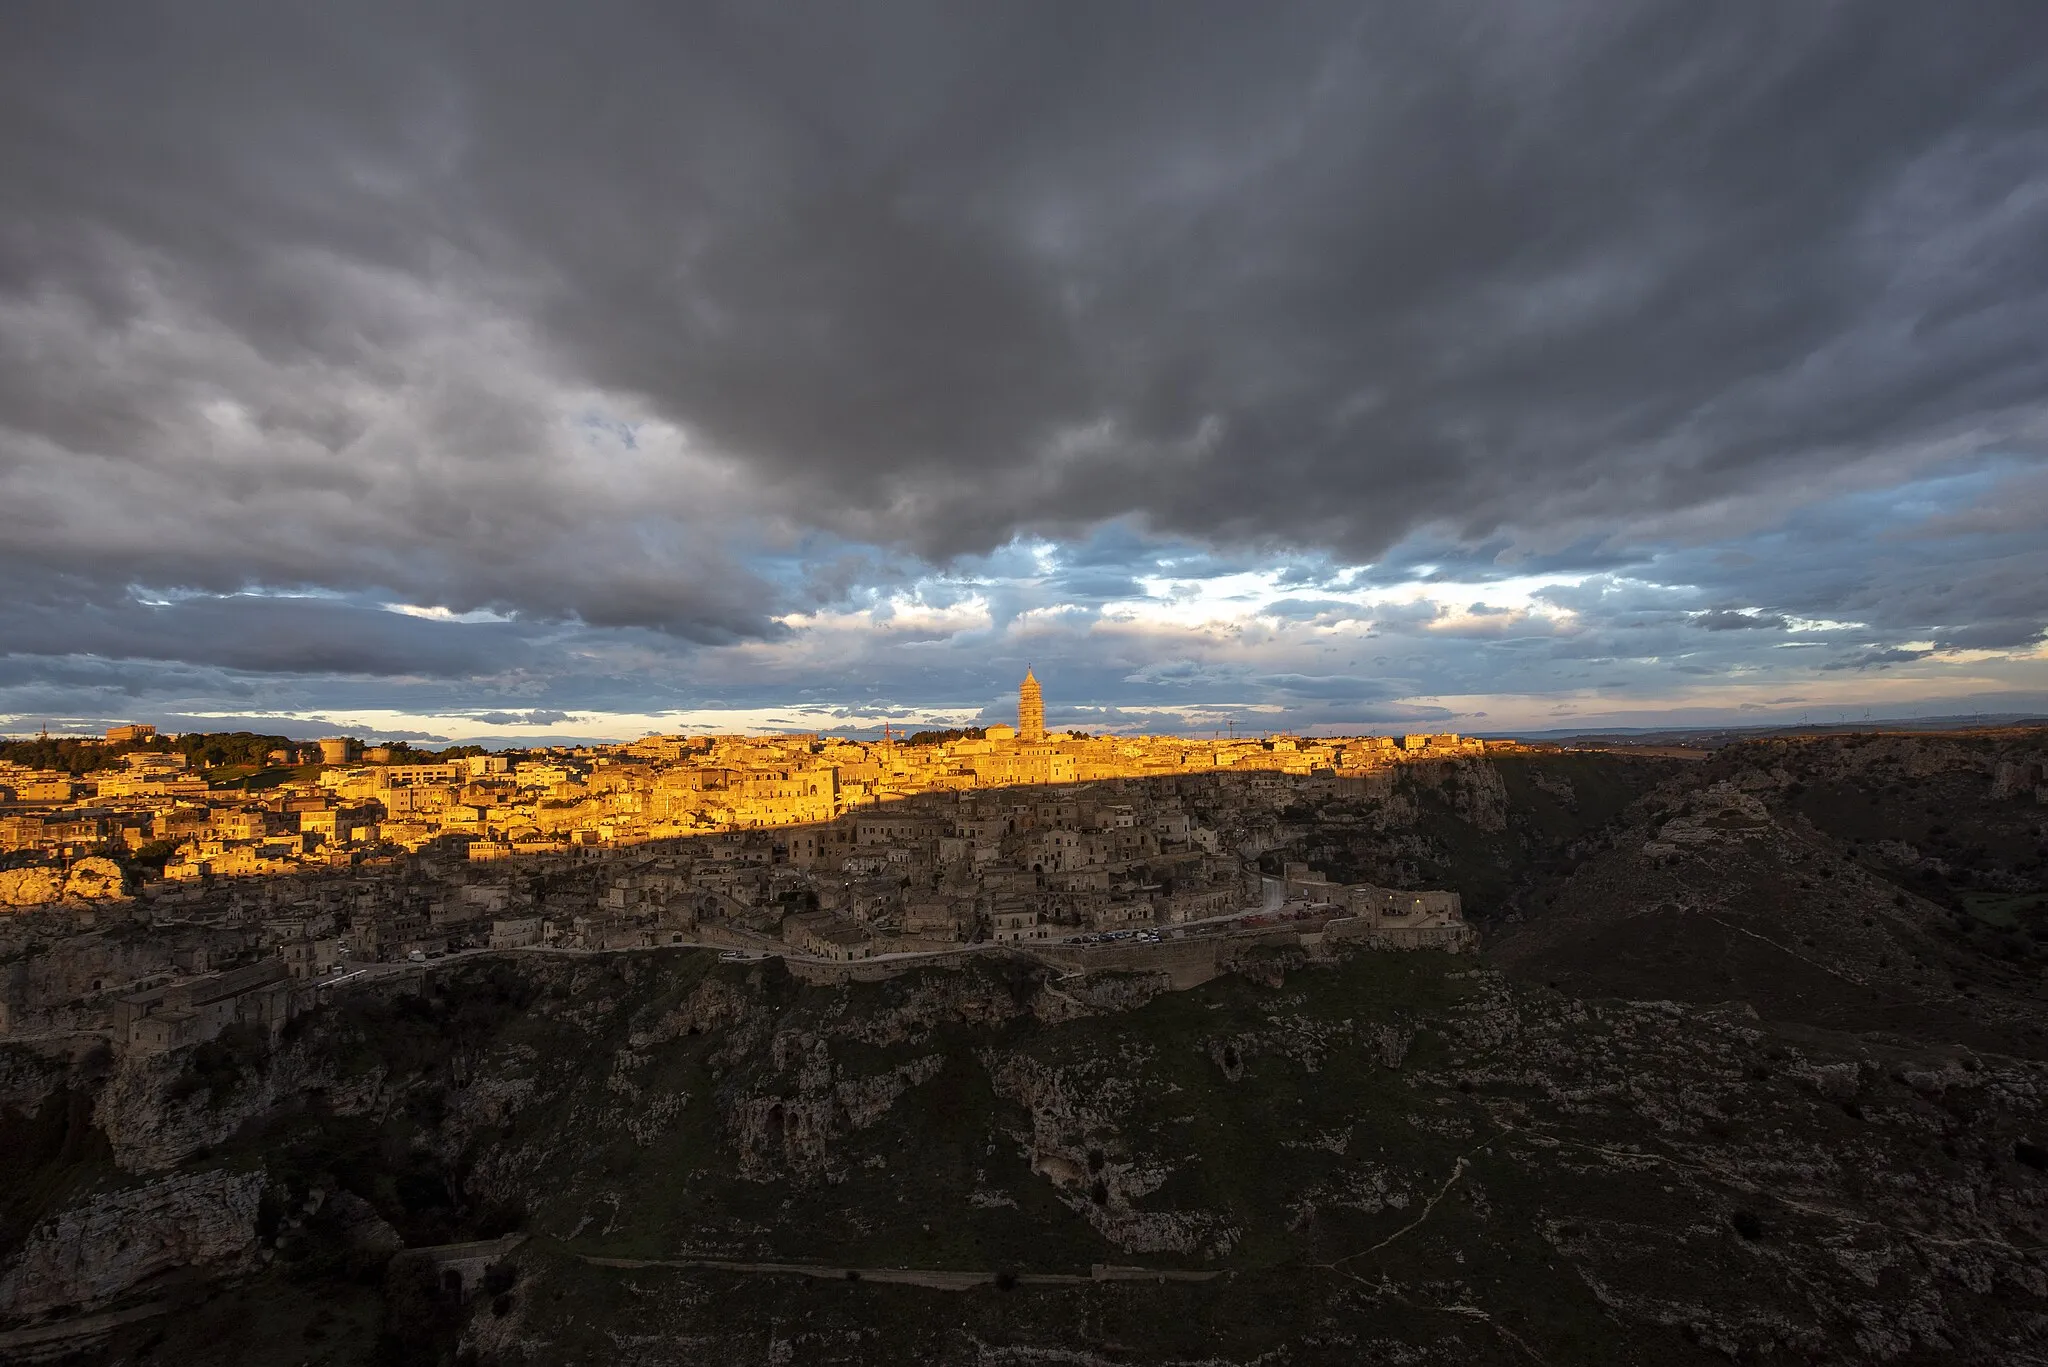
[(325, 859)]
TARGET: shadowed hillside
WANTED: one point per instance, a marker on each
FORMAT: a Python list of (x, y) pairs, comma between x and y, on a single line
[(1735, 1079), (1889, 883)]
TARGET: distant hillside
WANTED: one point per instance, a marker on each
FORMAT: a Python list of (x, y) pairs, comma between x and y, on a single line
[(1896, 883), (1712, 737)]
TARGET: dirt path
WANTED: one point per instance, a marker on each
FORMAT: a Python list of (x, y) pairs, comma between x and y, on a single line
[(935, 1279), (48, 1336)]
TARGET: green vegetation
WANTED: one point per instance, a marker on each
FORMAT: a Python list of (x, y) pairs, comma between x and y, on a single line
[(201, 750), (152, 857), (54, 1153), (941, 737), (251, 779), (240, 748), (218, 1066), (69, 755), (2007, 910), (278, 1317), (245, 755)]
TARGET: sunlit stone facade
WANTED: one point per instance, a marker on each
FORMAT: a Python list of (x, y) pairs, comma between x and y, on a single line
[(1030, 710)]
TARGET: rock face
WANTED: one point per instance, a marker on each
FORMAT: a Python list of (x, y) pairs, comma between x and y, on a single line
[(30, 887), (790, 1132), (154, 1124), (92, 879), (1074, 1142), (93, 1252)]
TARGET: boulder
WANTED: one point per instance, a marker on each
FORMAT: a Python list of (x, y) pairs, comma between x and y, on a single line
[(94, 879), (30, 887)]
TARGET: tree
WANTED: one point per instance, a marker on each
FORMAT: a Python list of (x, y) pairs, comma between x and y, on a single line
[(154, 856), (941, 737)]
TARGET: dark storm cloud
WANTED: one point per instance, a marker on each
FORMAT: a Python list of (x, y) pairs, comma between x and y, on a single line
[(666, 321), (1878, 659), (1992, 635), (1431, 557), (1321, 276), (72, 685), (1312, 609), (1326, 273), (264, 635), (1933, 559), (1724, 619), (1329, 688)]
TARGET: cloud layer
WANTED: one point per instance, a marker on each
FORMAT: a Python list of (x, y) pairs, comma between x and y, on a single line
[(507, 361)]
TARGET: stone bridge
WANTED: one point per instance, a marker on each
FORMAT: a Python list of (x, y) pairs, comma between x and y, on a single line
[(458, 1268)]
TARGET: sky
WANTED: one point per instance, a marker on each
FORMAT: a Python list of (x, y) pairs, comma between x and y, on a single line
[(517, 372)]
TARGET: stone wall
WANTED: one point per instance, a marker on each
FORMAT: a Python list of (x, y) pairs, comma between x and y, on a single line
[(1186, 963), (1359, 929), (822, 974)]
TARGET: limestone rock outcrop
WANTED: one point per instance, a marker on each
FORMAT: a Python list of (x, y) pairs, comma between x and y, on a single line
[(153, 1124), (30, 887), (94, 879), (92, 1252), (790, 1132)]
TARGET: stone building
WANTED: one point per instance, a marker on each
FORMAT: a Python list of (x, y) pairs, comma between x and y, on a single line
[(199, 1009), (1401, 908), (339, 750), (518, 932), (1013, 921), (308, 956), (1030, 710), (824, 935)]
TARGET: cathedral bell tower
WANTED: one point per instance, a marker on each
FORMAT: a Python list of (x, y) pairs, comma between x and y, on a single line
[(1030, 709)]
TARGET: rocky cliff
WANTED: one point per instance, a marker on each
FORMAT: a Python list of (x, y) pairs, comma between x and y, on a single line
[(1738, 1083), (92, 879), (93, 1251)]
